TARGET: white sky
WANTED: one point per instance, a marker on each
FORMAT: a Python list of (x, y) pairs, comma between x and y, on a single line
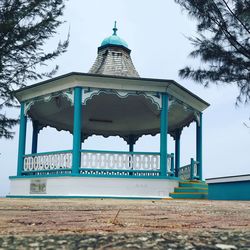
[(155, 32)]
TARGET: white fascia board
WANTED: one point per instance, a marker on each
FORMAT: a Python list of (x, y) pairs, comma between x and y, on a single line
[(186, 97), (121, 83), (46, 88), (89, 82), (228, 179)]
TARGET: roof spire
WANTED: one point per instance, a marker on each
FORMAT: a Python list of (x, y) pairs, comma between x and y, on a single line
[(115, 29)]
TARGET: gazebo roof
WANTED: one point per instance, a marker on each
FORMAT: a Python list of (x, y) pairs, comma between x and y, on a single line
[(74, 79), (114, 105)]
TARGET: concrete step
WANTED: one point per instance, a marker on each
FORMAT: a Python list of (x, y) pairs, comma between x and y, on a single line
[(193, 184), (189, 195), (190, 190)]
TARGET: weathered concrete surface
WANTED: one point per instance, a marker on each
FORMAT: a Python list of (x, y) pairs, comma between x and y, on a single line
[(124, 224)]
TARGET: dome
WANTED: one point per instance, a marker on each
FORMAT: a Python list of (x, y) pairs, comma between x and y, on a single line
[(114, 40)]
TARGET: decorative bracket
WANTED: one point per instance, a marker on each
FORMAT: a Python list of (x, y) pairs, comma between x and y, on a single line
[(197, 118), (68, 94)]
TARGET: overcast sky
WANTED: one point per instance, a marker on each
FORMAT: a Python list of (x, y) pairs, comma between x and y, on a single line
[(156, 33)]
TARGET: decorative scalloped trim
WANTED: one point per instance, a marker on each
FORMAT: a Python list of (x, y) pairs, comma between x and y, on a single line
[(68, 94), (154, 98)]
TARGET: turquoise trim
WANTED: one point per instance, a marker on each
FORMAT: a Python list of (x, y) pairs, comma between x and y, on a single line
[(85, 197), (22, 140), (163, 135), (119, 152), (93, 151), (120, 170), (199, 146), (189, 195), (34, 137), (99, 176), (188, 184), (192, 169), (50, 153), (76, 158), (46, 170), (177, 152), (131, 147), (115, 29)]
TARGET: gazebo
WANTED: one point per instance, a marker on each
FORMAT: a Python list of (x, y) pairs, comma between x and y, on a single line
[(110, 100)]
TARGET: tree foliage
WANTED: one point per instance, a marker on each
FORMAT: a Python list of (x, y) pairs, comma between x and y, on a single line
[(222, 43), (25, 26)]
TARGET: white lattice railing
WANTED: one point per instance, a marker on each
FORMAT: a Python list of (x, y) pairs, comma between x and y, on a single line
[(97, 162), (184, 172), (190, 171), (52, 161), (94, 162)]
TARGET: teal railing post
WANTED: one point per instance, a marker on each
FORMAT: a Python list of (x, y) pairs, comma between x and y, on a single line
[(172, 164), (199, 146), (192, 169), (34, 137), (163, 135), (76, 158), (177, 151), (22, 140)]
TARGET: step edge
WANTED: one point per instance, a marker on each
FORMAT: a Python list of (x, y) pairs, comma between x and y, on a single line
[(196, 188), (187, 193)]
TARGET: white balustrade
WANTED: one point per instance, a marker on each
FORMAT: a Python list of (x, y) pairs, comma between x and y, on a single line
[(50, 161), (169, 160), (120, 161), (195, 169), (184, 172)]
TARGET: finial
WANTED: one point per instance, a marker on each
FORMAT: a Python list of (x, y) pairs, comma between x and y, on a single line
[(115, 29)]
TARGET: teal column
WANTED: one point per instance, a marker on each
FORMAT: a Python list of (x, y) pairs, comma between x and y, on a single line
[(131, 147), (163, 135), (199, 145), (177, 151), (131, 142), (76, 159), (34, 137), (22, 140)]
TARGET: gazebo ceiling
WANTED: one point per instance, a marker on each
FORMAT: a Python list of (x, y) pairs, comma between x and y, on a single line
[(108, 114)]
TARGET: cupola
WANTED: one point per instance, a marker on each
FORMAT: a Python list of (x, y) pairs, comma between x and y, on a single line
[(113, 57)]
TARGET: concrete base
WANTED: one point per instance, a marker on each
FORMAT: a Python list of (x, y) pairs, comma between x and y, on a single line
[(71, 186)]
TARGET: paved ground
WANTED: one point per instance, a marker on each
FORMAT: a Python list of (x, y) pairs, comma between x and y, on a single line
[(123, 224)]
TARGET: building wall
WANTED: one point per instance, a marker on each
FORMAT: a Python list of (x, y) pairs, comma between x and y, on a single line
[(230, 188)]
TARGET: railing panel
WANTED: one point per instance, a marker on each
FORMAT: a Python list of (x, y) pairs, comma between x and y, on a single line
[(138, 163), (184, 172), (48, 162), (189, 172), (97, 163)]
